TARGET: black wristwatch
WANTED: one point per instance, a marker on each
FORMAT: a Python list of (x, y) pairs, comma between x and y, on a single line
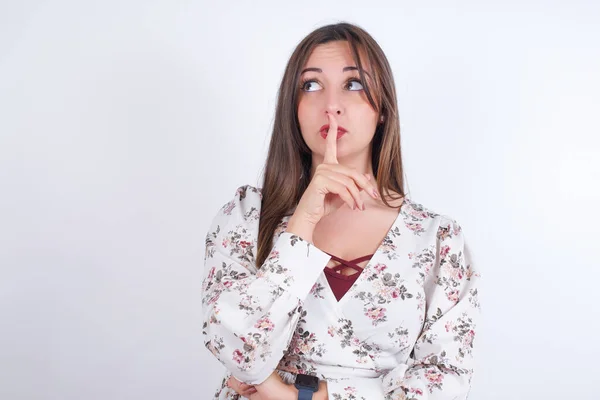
[(306, 385)]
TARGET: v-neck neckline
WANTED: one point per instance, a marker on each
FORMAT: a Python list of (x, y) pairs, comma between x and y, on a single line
[(370, 263)]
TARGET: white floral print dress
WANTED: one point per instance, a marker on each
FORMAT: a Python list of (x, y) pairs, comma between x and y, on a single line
[(404, 330)]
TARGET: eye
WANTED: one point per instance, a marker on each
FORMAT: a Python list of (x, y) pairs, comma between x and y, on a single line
[(354, 80), (306, 83)]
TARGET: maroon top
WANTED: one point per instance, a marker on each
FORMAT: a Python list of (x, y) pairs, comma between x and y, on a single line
[(339, 283)]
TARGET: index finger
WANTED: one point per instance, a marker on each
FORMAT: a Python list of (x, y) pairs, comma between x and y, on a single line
[(331, 145)]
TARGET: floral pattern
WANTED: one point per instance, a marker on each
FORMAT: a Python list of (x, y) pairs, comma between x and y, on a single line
[(362, 350), (405, 330), (349, 394), (384, 289)]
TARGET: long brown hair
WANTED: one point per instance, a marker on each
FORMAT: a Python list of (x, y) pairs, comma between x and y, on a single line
[(288, 165)]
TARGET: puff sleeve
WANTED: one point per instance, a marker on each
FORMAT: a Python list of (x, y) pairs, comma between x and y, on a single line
[(249, 313), (441, 366)]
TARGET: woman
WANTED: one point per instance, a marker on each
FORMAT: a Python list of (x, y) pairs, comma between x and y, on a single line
[(328, 282)]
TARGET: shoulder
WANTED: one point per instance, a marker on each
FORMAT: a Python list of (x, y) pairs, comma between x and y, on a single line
[(446, 235), (444, 225), (242, 209), (448, 228), (240, 213), (234, 228), (245, 199)]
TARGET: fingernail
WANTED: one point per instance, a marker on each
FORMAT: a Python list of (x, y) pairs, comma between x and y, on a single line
[(363, 207), (375, 193)]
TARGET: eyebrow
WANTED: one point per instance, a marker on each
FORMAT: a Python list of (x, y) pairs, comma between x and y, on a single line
[(349, 68)]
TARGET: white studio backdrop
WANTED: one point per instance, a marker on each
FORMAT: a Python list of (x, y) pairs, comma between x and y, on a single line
[(125, 126)]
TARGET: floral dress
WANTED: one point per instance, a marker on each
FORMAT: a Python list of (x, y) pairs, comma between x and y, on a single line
[(404, 330)]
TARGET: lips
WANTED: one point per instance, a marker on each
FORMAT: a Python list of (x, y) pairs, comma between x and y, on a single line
[(340, 131)]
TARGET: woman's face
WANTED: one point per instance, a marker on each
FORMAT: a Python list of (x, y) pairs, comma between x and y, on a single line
[(331, 85)]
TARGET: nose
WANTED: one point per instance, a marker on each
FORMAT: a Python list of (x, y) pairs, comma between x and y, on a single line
[(333, 104)]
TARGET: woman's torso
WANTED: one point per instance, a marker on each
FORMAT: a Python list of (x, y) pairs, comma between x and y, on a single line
[(375, 324), (372, 328)]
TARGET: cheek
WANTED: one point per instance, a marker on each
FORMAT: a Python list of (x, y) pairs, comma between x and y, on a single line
[(306, 111), (364, 116), (307, 117)]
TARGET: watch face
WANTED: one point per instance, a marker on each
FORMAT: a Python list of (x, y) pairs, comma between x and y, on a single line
[(307, 381)]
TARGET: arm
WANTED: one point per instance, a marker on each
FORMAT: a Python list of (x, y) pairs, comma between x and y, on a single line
[(250, 314), (441, 365)]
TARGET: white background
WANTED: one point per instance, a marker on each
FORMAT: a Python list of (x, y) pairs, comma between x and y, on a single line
[(125, 125)]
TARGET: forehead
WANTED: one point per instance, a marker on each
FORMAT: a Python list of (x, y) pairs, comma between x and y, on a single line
[(336, 54)]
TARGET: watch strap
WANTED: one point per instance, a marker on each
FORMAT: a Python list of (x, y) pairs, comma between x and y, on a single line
[(305, 394)]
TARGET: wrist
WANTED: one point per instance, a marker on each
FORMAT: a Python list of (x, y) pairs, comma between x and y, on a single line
[(301, 228), (292, 392), (321, 394)]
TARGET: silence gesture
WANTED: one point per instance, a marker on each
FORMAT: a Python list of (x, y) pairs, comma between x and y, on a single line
[(332, 184)]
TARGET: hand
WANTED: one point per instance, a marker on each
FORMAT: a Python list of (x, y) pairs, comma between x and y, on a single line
[(240, 387), (332, 184), (273, 388)]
